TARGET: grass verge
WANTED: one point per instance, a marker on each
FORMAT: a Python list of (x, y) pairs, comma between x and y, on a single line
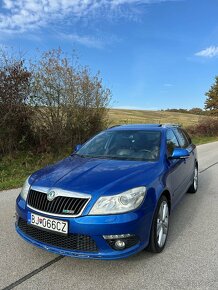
[(198, 140), (15, 169)]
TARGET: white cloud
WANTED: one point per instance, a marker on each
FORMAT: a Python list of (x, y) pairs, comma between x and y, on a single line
[(97, 41), (210, 52), (25, 15), (168, 85), (83, 39)]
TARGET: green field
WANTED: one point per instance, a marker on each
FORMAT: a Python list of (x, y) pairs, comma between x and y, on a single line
[(120, 116), (14, 169)]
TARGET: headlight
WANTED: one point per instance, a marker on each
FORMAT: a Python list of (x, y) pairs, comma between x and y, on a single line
[(120, 203), (25, 189)]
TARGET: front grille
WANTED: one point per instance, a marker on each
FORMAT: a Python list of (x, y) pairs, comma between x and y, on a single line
[(69, 242), (63, 205)]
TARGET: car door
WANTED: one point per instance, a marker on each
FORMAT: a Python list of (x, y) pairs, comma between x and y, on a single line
[(185, 142), (176, 168)]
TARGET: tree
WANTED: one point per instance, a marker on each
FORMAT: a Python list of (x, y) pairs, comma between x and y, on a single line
[(211, 102), (196, 111), (71, 103), (15, 113)]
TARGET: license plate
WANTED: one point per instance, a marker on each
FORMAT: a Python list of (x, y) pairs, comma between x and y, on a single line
[(48, 223)]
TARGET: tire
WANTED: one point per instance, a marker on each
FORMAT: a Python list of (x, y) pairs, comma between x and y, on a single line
[(194, 187), (159, 225)]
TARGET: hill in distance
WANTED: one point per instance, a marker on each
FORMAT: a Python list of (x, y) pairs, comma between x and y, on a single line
[(123, 116)]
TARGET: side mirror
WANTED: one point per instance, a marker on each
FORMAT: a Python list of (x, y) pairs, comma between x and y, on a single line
[(180, 153), (77, 147)]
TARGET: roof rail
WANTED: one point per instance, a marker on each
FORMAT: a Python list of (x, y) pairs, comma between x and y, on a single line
[(171, 125), (113, 126)]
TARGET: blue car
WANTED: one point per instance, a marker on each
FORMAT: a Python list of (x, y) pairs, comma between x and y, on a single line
[(113, 196)]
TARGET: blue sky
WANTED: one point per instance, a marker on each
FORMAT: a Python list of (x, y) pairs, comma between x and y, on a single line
[(153, 54)]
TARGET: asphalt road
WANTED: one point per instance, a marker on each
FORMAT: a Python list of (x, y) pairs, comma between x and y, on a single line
[(189, 261)]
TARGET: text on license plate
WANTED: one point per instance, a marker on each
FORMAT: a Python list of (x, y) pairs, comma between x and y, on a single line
[(48, 223)]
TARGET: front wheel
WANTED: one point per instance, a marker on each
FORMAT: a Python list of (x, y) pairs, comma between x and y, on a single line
[(194, 187), (160, 226)]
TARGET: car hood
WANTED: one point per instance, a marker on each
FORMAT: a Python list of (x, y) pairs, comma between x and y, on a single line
[(95, 176)]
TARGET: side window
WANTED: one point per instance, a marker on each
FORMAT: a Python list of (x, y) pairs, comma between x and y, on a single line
[(187, 137), (171, 141), (182, 138)]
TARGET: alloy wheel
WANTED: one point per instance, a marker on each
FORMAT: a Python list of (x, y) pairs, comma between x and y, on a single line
[(162, 224)]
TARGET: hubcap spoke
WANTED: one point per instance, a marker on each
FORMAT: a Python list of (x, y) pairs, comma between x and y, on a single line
[(160, 237), (165, 227), (196, 178), (158, 228), (164, 212), (160, 214)]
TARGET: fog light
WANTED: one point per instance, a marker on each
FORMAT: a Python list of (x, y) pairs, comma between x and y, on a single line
[(120, 244)]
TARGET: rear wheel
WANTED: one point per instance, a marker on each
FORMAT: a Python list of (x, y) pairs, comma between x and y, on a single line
[(194, 187), (160, 226)]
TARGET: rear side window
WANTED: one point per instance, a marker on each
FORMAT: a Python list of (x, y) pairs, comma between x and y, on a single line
[(187, 137), (183, 141), (171, 141)]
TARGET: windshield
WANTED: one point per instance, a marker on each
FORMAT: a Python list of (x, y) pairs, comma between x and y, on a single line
[(138, 145)]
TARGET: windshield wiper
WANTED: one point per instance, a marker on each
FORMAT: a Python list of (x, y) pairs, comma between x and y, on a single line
[(91, 156), (80, 155), (108, 157)]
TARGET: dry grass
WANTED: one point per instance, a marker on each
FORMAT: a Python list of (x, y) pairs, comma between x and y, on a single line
[(121, 116)]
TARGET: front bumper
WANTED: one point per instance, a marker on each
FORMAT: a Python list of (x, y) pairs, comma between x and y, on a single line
[(137, 223)]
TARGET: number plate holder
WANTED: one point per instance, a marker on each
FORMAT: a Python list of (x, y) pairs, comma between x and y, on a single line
[(47, 223)]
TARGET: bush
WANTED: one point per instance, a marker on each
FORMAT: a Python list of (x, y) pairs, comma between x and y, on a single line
[(206, 127), (15, 121), (70, 103)]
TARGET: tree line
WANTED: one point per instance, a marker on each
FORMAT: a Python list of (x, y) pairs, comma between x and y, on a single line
[(195, 111), (49, 103)]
